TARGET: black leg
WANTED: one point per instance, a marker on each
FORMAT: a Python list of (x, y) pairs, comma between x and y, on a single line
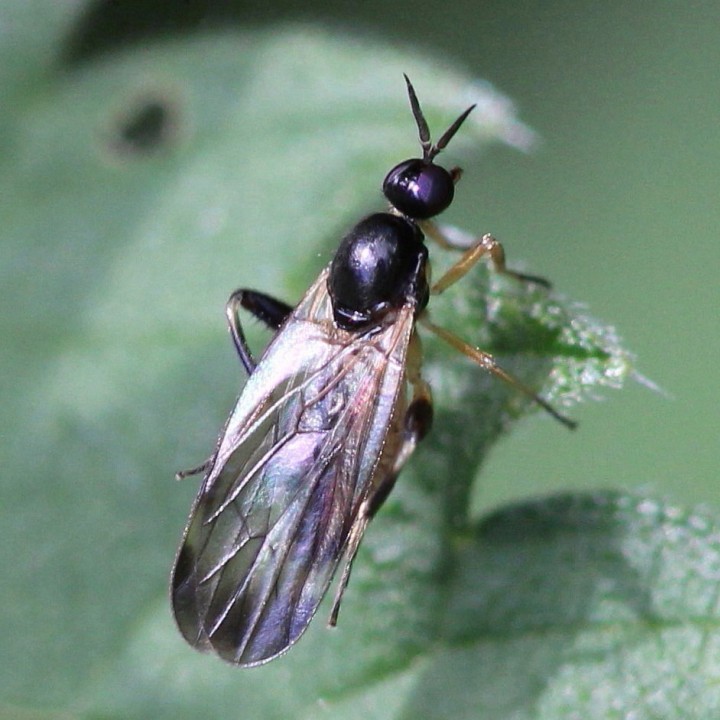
[(200, 469), (268, 310), (265, 308)]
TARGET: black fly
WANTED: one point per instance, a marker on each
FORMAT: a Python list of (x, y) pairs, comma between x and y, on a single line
[(329, 416)]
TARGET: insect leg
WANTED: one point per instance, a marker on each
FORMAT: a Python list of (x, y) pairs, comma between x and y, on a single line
[(268, 310), (265, 308), (486, 245), (418, 417), (416, 425), (182, 474), (487, 362), (356, 534)]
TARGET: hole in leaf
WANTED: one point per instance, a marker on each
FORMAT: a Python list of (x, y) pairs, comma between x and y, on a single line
[(148, 127)]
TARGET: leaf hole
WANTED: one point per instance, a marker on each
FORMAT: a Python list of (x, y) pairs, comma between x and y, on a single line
[(149, 126)]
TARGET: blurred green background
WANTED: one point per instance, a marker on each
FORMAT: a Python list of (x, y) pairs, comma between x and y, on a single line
[(617, 204)]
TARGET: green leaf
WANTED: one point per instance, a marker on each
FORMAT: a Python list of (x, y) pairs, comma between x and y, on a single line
[(581, 606), (592, 606)]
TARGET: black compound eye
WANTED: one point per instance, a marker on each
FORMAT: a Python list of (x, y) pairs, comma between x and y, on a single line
[(419, 189)]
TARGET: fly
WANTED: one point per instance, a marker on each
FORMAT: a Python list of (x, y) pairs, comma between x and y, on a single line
[(330, 414)]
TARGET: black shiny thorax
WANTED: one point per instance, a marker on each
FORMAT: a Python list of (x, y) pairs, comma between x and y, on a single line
[(379, 266)]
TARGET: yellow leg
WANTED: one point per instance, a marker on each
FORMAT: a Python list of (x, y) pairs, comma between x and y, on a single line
[(487, 245), (487, 361)]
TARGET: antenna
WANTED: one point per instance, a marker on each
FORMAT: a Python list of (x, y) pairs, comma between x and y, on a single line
[(430, 150)]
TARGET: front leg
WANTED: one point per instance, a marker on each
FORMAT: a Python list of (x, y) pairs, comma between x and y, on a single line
[(487, 245)]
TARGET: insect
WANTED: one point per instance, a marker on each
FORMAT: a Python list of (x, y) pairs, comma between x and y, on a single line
[(327, 419)]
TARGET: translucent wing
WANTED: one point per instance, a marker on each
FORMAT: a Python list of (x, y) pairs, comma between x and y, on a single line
[(298, 457)]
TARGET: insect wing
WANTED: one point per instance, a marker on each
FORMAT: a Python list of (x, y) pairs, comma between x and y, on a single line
[(296, 461)]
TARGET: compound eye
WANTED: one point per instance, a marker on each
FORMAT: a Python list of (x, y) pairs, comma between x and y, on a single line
[(419, 189)]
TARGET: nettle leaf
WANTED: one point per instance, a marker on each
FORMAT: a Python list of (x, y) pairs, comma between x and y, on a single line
[(570, 606), (589, 606)]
